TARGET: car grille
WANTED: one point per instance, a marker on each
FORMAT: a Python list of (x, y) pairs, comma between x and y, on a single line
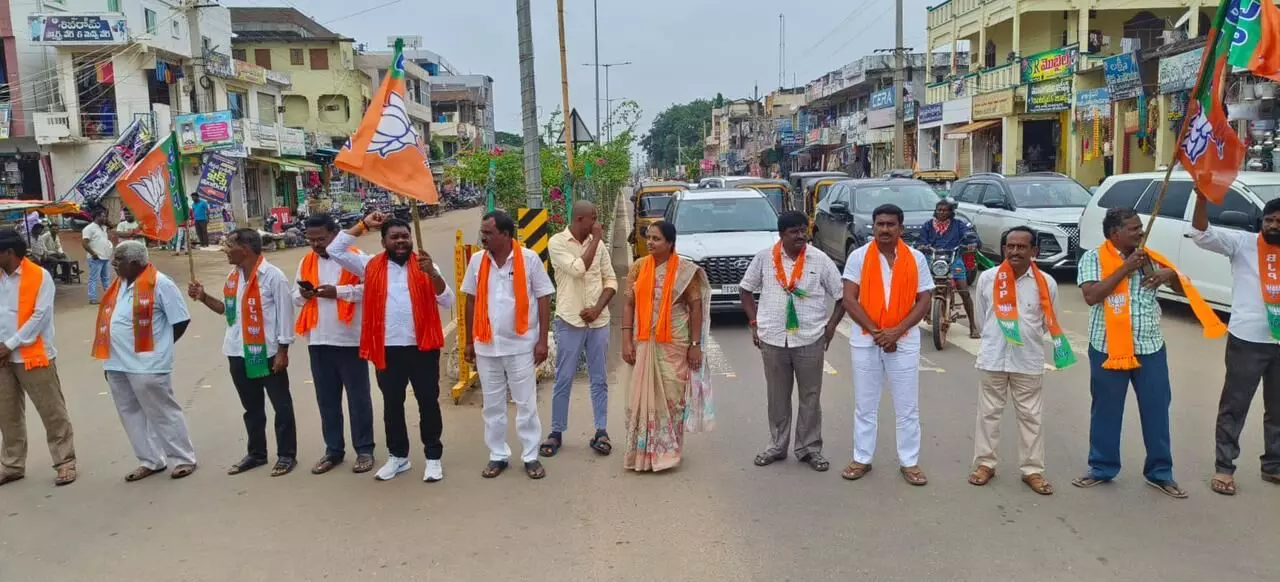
[(1073, 237), (725, 270)]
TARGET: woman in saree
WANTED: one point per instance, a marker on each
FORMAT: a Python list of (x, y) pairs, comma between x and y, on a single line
[(663, 327)]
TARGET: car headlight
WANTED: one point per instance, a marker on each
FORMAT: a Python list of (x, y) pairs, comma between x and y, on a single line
[(1048, 245), (940, 268)]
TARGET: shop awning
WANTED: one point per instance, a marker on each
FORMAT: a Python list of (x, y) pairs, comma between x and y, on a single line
[(302, 164), (963, 131), (288, 165)]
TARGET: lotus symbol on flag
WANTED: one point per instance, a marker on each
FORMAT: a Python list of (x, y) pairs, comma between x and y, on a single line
[(152, 189), (394, 132)]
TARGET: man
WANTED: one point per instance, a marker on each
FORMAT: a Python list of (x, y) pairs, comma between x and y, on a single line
[(127, 228), (27, 365), (97, 247), (946, 232), (508, 339), (328, 301), (1015, 310), (142, 316), (257, 301), (401, 335), (585, 282), (1126, 345), (1253, 353), (200, 213), (887, 287), (793, 331)]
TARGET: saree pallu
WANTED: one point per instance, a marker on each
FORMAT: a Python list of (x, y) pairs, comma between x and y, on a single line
[(664, 397)]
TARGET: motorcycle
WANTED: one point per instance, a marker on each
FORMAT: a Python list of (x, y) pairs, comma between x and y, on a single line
[(947, 306)]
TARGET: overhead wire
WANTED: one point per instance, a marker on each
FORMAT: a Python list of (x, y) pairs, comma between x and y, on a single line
[(833, 30)]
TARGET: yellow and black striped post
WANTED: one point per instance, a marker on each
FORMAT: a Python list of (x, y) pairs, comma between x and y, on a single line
[(533, 230), (466, 376)]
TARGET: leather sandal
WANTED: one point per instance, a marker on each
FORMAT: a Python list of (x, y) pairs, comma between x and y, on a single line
[(1037, 483), (66, 476), (141, 473), (914, 475), (981, 476), (855, 471)]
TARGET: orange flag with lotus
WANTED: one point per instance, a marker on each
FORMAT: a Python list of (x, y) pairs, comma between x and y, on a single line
[(385, 149), (152, 190)]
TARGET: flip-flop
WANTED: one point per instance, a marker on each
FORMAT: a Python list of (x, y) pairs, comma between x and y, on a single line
[(284, 466), (65, 477), (765, 459), (363, 464), (535, 470), (1221, 487), (1168, 488), (493, 469), (246, 464), (182, 471), (1270, 478), (141, 473), (1088, 481)]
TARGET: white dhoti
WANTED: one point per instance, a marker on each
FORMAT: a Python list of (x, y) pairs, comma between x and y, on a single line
[(871, 365), (514, 375), (152, 419)]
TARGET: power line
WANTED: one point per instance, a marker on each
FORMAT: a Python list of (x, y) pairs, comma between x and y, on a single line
[(366, 10), (858, 35), (835, 28)]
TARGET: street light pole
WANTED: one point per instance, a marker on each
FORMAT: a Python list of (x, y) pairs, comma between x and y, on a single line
[(595, 22), (899, 81), (606, 66)]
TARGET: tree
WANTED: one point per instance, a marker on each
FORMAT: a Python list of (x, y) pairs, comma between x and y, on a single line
[(510, 140), (676, 133)]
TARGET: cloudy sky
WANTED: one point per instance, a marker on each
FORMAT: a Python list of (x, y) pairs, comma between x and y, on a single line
[(680, 49)]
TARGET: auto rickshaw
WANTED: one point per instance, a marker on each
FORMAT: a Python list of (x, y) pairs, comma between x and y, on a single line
[(777, 191), (940, 180), (814, 189), (651, 202)]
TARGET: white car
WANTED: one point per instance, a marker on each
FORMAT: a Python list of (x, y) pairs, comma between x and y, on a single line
[(1210, 272), (722, 230)]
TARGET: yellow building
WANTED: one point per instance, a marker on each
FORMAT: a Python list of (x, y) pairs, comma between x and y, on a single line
[(329, 94), (1038, 64)]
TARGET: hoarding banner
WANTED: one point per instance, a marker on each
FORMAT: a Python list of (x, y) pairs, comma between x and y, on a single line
[(216, 173), (198, 132), (1049, 96), (1048, 65)]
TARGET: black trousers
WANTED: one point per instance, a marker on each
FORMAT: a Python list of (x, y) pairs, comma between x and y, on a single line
[(1247, 364), (202, 232), (251, 391), (405, 365), (336, 369)]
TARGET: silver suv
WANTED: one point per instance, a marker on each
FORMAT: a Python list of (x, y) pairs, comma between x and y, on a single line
[(722, 230), (1047, 202)]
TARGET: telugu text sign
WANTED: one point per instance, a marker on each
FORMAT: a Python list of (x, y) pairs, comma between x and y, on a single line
[(1049, 96), (1124, 77), (216, 173), (77, 29), (1048, 65), (1178, 72)]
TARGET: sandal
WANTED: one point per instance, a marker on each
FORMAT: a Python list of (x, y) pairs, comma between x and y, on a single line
[(766, 458), (1038, 483), (816, 461), (141, 473), (855, 471), (601, 444), (182, 471), (246, 464), (535, 470), (66, 476), (284, 466), (981, 476), (325, 465), (1223, 486), (493, 469), (10, 477), (1087, 481), (1271, 478), (1169, 488), (364, 464), (914, 475), (552, 445)]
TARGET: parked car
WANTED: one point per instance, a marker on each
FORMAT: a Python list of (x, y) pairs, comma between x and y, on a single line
[(722, 181), (721, 230), (1210, 272), (1047, 202), (843, 220)]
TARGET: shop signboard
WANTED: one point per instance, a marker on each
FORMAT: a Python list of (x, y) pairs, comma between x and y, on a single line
[(930, 114), (134, 142), (1048, 65), (266, 136), (1092, 103), (957, 110), (1178, 72), (6, 115), (250, 73), (216, 174), (882, 99), (219, 65), (1049, 96), (293, 142), (993, 105), (877, 118), (198, 132), (279, 77), (73, 29), (909, 110), (1124, 77), (852, 73)]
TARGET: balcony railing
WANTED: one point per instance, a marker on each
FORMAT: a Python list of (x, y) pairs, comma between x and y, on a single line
[(55, 127)]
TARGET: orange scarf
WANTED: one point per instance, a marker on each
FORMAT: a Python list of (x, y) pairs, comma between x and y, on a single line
[(483, 330), (31, 278), (902, 287), (422, 295), (253, 333), (644, 298), (1116, 317), (1269, 278), (310, 314), (144, 309)]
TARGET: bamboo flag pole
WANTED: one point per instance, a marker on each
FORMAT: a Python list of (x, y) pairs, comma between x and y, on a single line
[(182, 198), (564, 92)]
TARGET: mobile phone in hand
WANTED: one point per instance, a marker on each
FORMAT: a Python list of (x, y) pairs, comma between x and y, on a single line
[(306, 286)]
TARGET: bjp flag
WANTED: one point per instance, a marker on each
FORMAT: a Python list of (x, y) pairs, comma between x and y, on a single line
[(385, 149), (152, 190)]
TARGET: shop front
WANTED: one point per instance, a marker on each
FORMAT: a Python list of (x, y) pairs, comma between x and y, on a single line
[(990, 114), (1042, 125), (1177, 78), (1132, 108), (929, 137), (956, 153), (1093, 136)]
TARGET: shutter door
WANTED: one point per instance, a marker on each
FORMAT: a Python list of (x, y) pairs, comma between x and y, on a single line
[(962, 158)]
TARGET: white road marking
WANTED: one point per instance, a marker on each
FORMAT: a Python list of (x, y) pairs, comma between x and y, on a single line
[(716, 360)]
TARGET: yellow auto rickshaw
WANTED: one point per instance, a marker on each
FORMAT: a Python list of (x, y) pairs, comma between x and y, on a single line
[(940, 180), (814, 189), (777, 191), (651, 202)]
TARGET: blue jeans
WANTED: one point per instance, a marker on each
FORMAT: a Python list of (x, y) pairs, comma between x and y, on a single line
[(570, 343), (1109, 389), (99, 277), (334, 368)]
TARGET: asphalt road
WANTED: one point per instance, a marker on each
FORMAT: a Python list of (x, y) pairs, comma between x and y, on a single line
[(717, 517)]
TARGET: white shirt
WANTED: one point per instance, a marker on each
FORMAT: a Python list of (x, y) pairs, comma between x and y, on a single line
[(398, 329), (170, 309), (820, 280), (40, 324), (1248, 310), (998, 355), (853, 272), (98, 241), (329, 330), (502, 301), (277, 311)]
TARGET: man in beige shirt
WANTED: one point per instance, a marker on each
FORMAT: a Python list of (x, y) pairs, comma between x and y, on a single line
[(585, 283)]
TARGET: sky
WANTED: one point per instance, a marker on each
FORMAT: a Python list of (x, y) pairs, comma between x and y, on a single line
[(680, 49)]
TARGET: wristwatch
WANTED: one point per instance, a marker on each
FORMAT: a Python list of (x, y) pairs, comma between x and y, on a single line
[(696, 344)]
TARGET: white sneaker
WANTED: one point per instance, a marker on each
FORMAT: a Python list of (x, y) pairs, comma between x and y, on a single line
[(435, 471), (393, 467)]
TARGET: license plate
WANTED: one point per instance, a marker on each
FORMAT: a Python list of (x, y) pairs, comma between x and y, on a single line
[(728, 289)]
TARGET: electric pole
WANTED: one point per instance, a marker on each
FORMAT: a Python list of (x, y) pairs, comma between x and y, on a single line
[(899, 90), (529, 109), (595, 19), (782, 50), (564, 92)]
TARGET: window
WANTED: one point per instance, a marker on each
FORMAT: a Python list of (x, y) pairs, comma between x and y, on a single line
[(725, 215), (1175, 200), (1029, 193), (1236, 202), (238, 103), (296, 58), (992, 193), (113, 5), (238, 54), (267, 108), (908, 197), (206, 44), (149, 16), (968, 193), (262, 57), (334, 108), (319, 59), (176, 28), (1124, 194), (297, 110)]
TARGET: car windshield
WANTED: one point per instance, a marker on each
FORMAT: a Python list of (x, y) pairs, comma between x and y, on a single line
[(908, 197), (1267, 193), (654, 205), (725, 215), (1048, 193)]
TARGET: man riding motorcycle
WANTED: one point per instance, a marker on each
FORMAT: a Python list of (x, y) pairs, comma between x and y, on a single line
[(947, 233)]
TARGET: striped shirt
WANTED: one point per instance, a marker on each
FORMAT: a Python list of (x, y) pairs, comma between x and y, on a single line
[(820, 280), (1144, 310)]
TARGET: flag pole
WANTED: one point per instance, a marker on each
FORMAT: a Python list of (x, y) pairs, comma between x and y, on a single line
[(182, 194)]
